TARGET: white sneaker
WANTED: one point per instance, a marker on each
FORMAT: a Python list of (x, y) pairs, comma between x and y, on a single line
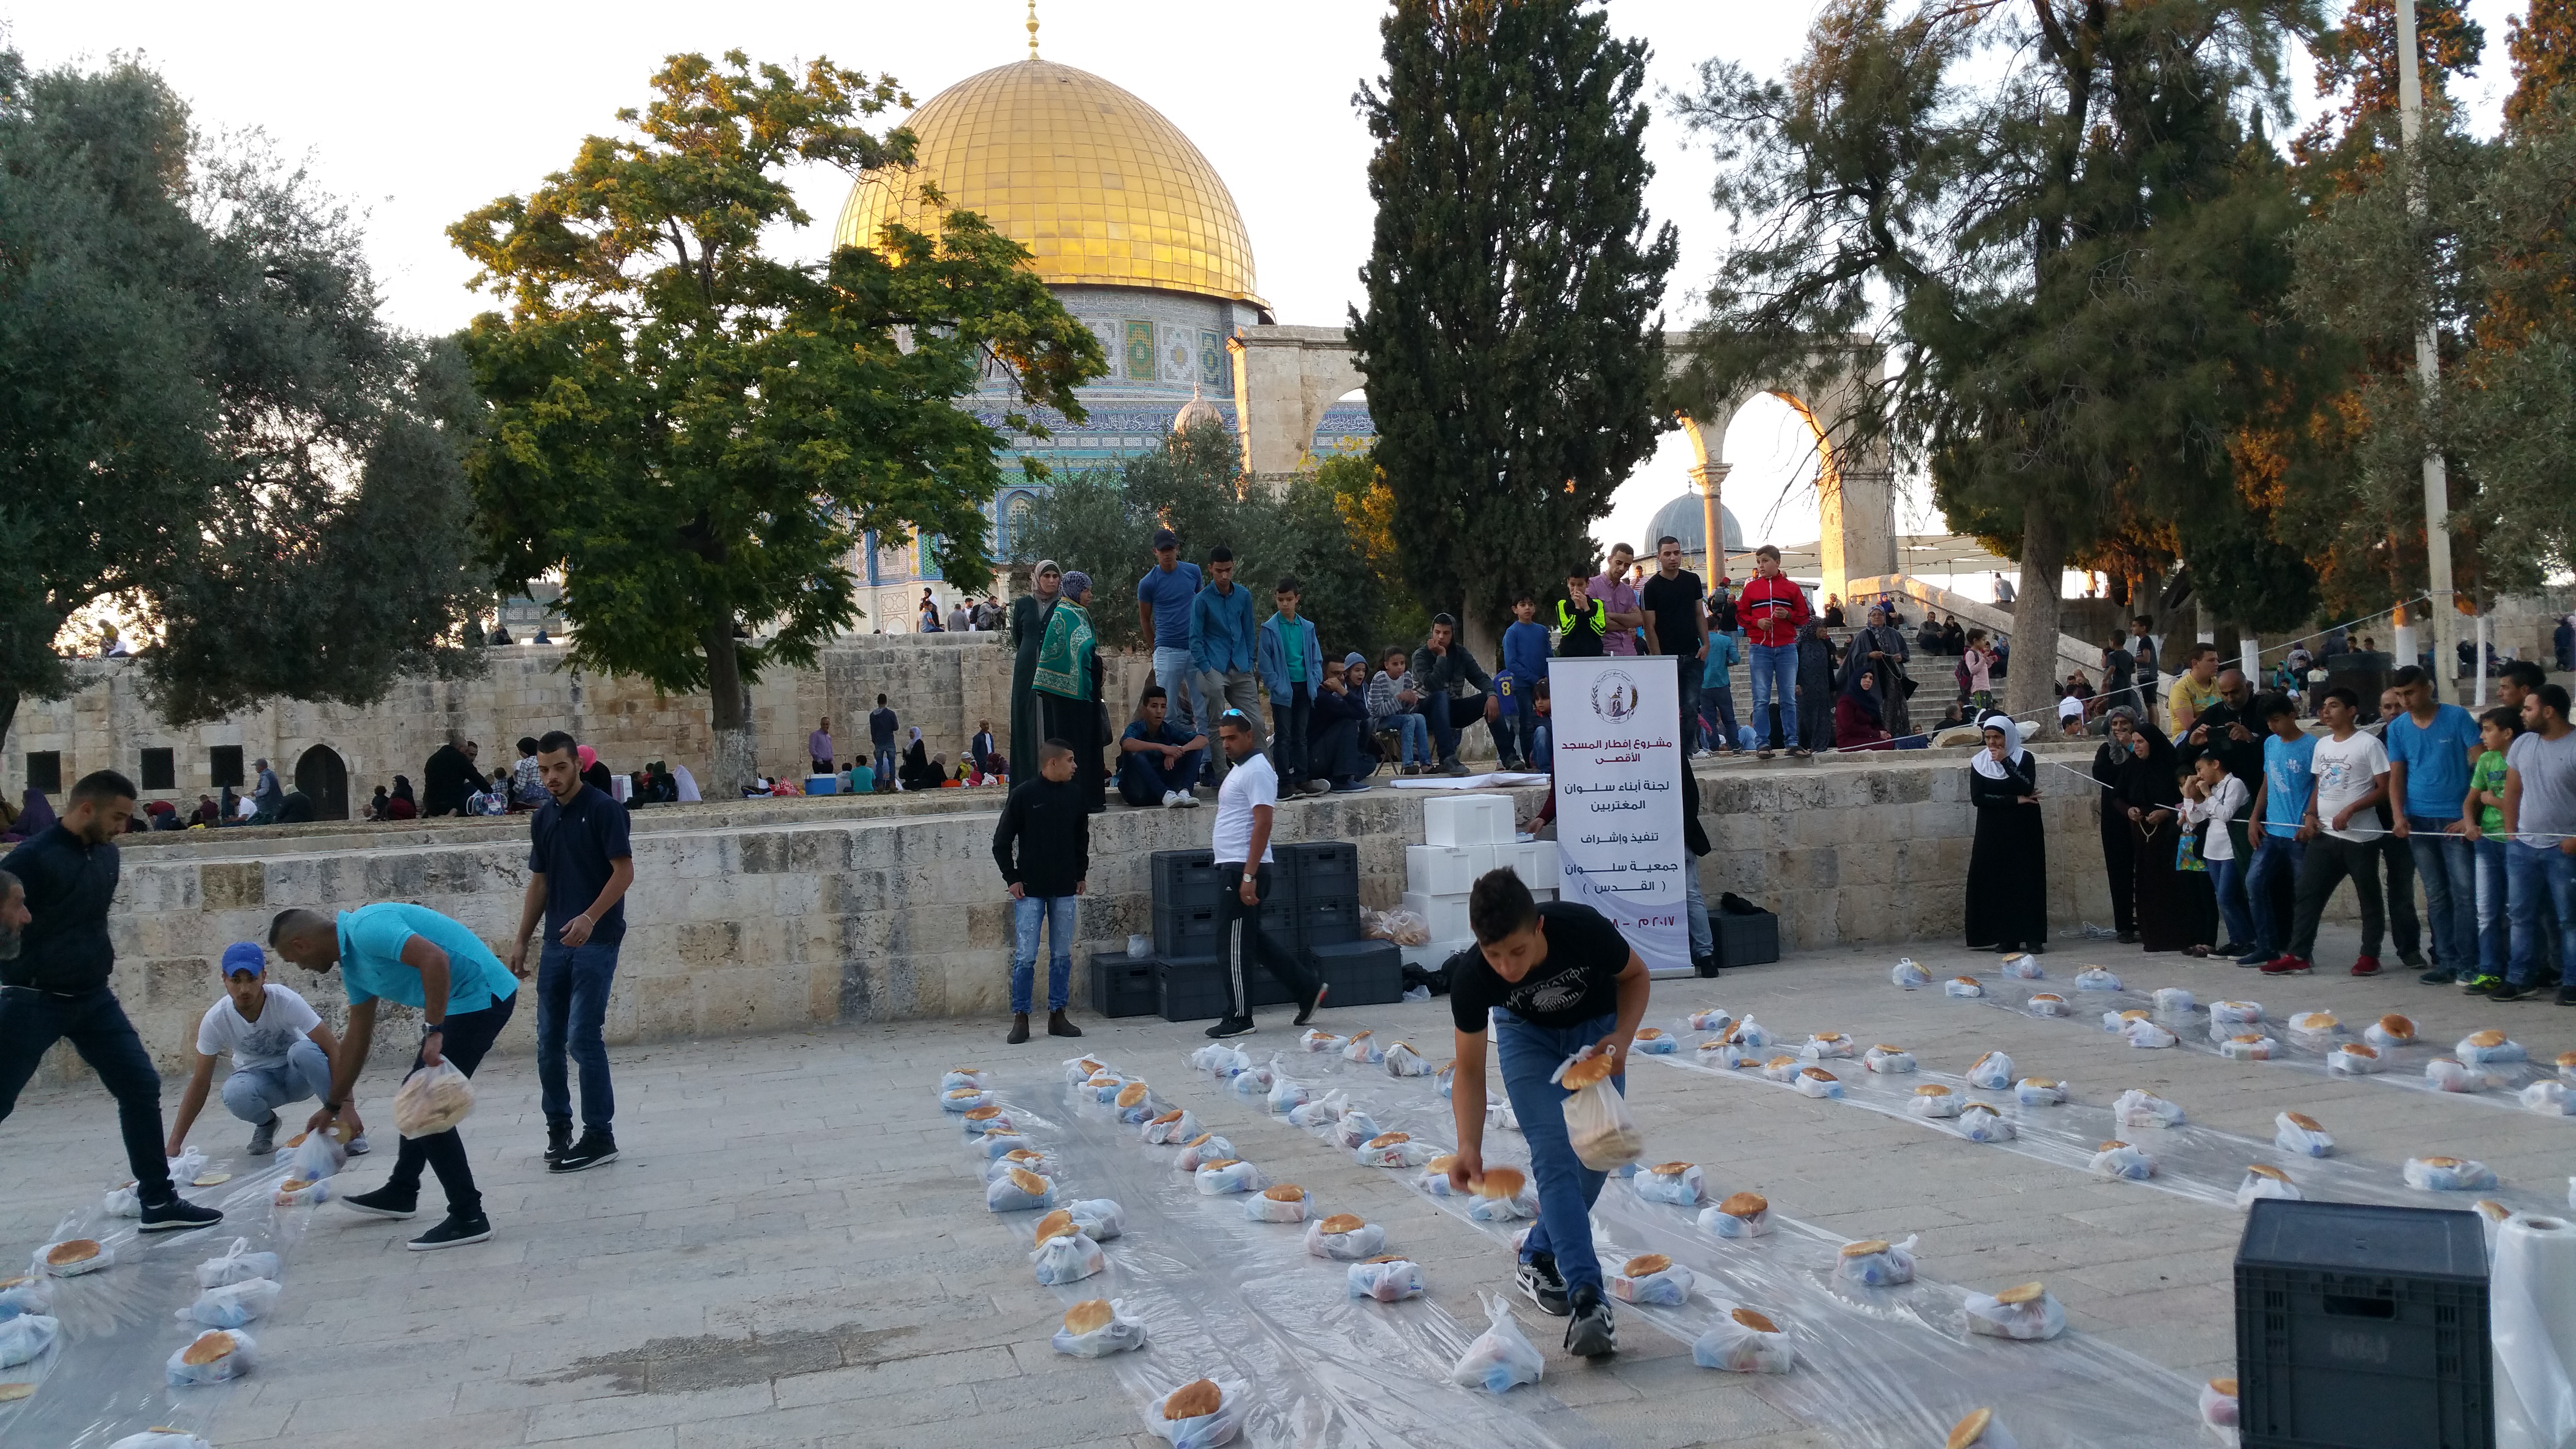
[(1171, 799), (1189, 801)]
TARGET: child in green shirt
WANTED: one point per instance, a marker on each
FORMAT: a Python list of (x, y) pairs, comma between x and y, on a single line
[(2484, 813)]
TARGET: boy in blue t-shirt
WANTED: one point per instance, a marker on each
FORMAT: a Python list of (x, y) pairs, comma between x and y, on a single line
[(1717, 693), (1525, 655), (1158, 764), (2281, 804)]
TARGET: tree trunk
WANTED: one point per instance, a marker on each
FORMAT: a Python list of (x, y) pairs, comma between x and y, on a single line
[(736, 762), (8, 712), (2030, 693), (1476, 631)]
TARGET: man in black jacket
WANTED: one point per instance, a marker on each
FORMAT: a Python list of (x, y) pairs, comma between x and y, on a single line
[(54, 961), (1047, 819), (1440, 667), (448, 778)]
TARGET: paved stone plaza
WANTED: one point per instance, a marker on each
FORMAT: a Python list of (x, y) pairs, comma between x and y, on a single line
[(792, 1251)]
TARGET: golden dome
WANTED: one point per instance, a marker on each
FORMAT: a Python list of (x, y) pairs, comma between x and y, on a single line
[(1094, 182)]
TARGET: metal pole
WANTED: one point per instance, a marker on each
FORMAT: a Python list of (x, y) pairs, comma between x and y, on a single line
[(2481, 665), (2428, 367)]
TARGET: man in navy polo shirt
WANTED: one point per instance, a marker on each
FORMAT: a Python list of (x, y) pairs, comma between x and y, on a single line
[(579, 867)]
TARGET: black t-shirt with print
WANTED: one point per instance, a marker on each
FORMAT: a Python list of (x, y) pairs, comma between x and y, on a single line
[(1575, 982)]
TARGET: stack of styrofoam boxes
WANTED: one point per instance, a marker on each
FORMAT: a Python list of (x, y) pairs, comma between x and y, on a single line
[(1465, 837)]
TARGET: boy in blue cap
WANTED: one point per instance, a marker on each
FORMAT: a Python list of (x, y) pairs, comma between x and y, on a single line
[(280, 1047)]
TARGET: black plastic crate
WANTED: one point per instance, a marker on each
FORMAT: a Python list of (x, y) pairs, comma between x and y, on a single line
[(1185, 878), (1279, 919), (1333, 921), (2362, 1327), (1190, 988), (1745, 938), (1124, 985), (1185, 931), (1361, 973), (1320, 869)]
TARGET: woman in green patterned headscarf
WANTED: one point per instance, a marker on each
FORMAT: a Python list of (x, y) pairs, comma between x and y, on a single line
[(1068, 686), (1029, 614)]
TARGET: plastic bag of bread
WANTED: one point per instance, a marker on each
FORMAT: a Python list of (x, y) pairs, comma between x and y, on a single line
[(956, 1077), (432, 1101), (1749, 1034), (161, 1437), (1362, 1048), (2040, 1092), (1719, 1052), (1200, 1415), (1202, 1148), (2453, 1075), (1104, 1087), (1908, 974), (2481, 1047), (1741, 1215), (122, 1202), (1963, 986), (1068, 1257), (1503, 1115), (1137, 1105), (2300, 1133), (296, 1192), (2218, 1403), (1027, 1159), (1018, 1190), (2391, 1030), (317, 1155), (1435, 1176), (976, 1121), (1078, 1070), (2234, 1016), (2116, 1022), (29, 1294), (1876, 1262), (25, 1337), (1827, 1044), (1322, 1111), (2354, 1059), (2448, 1174), (1097, 1329), (1100, 1218), (1993, 1071), (1817, 1082), (1407, 928), (1654, 1041), (2048, 1003), (1171, 1128), (2026, 1312), (2096, 978), (1781, 1068), (1001, 1142), (214, 1356), (1354, 1127), (1980, 1430), (2173, 1001), (234, 1304), (1216, 1179), (2263, 1180), (1742, 1341), (2148, 1036), (1679, 1183), (952, 1099), (1932, 1101), (2550, 1099), (1713, 1019), (1650, 1278), (2022, 966), (1345, 1237), (1887, 1060), (1388, 1278), (2138, 1107), (2119, 1159), (72, 1257), (1501, 1357), (1979, 1122), (1503, 1195), (1254, 1081), (1392, 1149), (1604, 1136), (1317, 1039), (1284, 1202), (1221, 1059), (1403, 1061), (2315, 1026), (1287, 1094)]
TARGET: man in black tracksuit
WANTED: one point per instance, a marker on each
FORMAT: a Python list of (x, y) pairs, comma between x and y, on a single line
[(53, 982), (1049, 821)]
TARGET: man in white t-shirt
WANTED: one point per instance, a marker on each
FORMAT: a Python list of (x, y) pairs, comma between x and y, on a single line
[(1244, 804), (281, 1053), (2342, 830)]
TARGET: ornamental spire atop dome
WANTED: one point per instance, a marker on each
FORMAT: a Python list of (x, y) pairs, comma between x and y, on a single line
[(1033, 29)]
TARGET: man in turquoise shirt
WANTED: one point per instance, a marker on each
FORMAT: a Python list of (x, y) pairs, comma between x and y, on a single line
[(411, 956), (2431, 749)]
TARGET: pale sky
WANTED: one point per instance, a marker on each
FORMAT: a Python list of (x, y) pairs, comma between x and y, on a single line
[(418, 116)]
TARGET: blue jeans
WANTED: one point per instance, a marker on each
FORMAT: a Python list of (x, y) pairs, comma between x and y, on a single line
[(1717, 715), (1412, 737), (2273, 854), (1566, 1188), (2448, 866), (2532, 872), (1703, 940), (1142, 780), (1027, 914), (883, 764), (2495, 931), (1542, 750), (572, 1001), (1520, 717), (1689, 687), (1173, 671), (255, 1093), (94, 1023), (1775, 682), (2227, 877)]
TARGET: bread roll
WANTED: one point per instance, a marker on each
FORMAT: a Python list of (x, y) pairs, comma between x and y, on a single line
[(1931, 1090), (2114, 1145), (73, 1250), (1090, 1317), (2021, 1293), (2303, 1120), (1173, 1115), (1443, 1162), (2440, 1161), (2224, 1386), (209, 1347), (1055, 1225), (2039, 1081), (12, 1393), (2400, 1028), (983, 1114), (1817, 1074), (2264, 1169), (1754, 1321), (1501, 1182), (1343, 1223), (1387, 1258), (211, 1179), (1745, 1205), (1192, 1401), (2136, 1014), (1649, 1033), (2487, 1038), (952, 1096), (2048, 996), (1285, 1192), (1646, 1265), (1131, 1094), (1966, 1433), (1028, 1182), (1389, 1139), (1219, 1165), (1887, 1047), (1587, 1072), (1670, 1169), (1864, 1247), (1021, 1154), (2357, 1049)]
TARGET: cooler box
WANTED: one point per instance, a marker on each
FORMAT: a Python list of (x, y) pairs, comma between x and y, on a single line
[(1467, 820), (1440, 870), (1445, 914), (822, 784)]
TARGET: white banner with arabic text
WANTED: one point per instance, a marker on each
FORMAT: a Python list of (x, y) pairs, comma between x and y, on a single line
[(1616, 736)]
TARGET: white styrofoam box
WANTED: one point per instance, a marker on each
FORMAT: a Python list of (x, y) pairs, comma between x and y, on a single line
[(1467, 820), (1440, 870), (1542, 893), (1446, 914), (1546, 866), (1484, 858)]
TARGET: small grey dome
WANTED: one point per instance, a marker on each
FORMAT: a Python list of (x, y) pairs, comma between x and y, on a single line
[(1683, 520), (1196, 411)]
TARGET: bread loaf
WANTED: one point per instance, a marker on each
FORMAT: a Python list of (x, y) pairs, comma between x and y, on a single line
[(1285, 1192), (1588, 1072), (72, 1250), (1501, 1182), (1745, 1205), (1343, 1223), (2021, 1293), (209, 1347), (1646, 1265), (1088, 1317), (1755, 1321), (1969, 1431), (1192, 1401)]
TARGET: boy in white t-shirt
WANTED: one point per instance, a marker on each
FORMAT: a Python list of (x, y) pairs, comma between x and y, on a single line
[(2342, 830), (280, 1048)]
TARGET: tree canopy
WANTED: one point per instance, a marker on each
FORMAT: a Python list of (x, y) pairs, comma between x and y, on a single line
[(205, 421), (696, 434)]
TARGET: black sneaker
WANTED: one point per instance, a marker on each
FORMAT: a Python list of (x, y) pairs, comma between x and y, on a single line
[(2127, 938), (384, 1202), (1591, 1334), (558, 1138), (2507, 991), (452, 1232), (1306, 1013), (263, 1138), (593, 1149), (178, 1215), (2439, 976), (1232, 1026), (2413, 960), (2480, 985), (1539, 1279), (2567, 995)]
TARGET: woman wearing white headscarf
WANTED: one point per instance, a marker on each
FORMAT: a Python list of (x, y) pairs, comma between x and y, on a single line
[(2008, 868)]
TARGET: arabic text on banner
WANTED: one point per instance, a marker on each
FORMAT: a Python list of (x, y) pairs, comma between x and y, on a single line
[(1617, 738)]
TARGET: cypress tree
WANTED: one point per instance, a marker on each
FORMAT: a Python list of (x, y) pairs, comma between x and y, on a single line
[(1512, 342)]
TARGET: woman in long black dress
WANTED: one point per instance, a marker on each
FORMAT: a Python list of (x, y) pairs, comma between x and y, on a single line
[(2119, 841), (2150, 800), (2008, 867), (1028, 631)]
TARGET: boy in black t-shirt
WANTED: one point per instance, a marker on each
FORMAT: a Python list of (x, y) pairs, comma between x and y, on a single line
[(1556, 978)]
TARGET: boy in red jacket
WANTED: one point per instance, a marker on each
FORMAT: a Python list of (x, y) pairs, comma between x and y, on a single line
[(1772, 609)]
